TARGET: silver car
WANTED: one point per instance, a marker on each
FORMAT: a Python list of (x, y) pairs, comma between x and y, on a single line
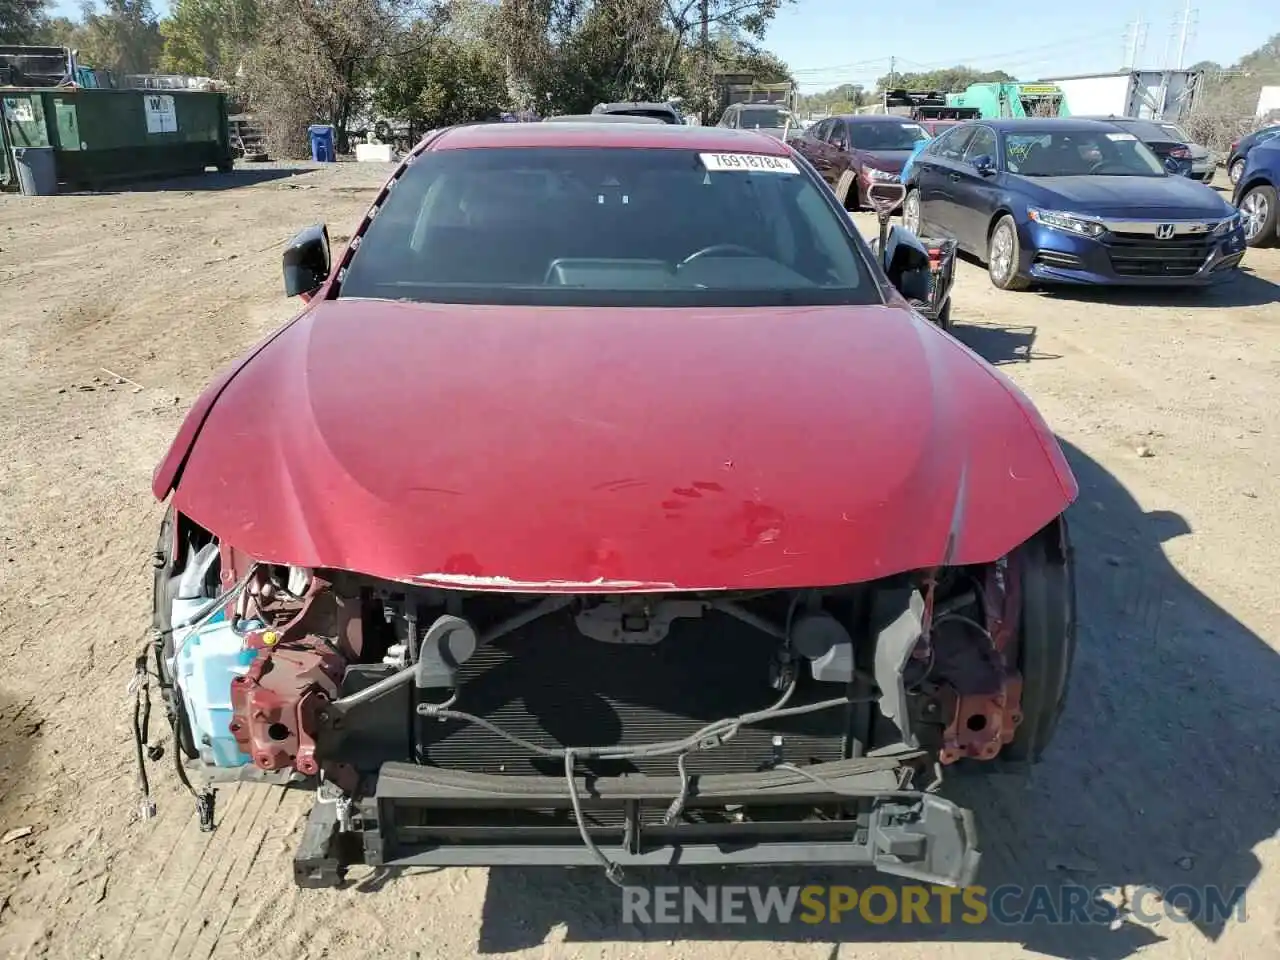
[(771, 118)]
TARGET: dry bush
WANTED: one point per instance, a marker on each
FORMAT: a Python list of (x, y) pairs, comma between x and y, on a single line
[(1224, 109)]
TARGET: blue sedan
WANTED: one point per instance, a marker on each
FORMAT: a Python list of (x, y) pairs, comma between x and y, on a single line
[(1070, 201), (1256, 195)]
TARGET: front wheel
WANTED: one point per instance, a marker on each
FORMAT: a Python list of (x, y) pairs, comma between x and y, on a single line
[(1258, 208), (1003, 253), (911, 211), (1047, 639), (1236, 171), (847, 191)]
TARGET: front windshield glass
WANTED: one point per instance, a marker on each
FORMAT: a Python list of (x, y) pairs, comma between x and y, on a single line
[(1175, 131), (766, 118), (885, 135), (608, 227), (666, 116), (1078, 153)]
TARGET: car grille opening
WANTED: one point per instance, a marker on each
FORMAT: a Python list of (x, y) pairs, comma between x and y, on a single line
[(549, 685), (1141, 255)]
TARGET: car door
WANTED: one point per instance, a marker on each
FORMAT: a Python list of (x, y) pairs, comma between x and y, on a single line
[(974, 195), (932, 172), (810, 144)]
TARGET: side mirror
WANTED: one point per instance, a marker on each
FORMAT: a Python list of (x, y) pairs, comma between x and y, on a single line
[(840, 143), (906, 264), (1171, 164), (306, 261), (985, 164)]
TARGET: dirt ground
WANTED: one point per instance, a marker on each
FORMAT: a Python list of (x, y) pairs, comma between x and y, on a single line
[(1165, 772)]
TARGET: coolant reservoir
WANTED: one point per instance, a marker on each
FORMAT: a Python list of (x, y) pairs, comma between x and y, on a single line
[(209, 659)]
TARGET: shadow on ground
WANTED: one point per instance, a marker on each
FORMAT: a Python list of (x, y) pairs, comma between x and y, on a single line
[(20, 726), (1247, 290), (1000, 345), (211, 181), (1152, 779)]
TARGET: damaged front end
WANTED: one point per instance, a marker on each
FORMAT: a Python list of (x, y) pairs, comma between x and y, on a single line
[(472, 727)]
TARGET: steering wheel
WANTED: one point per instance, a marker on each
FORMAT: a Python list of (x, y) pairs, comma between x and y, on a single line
[(1101, 165), (718, 249)]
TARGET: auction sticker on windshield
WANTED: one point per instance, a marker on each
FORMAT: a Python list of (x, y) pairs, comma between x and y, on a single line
[(1121, 136), (747, 163)]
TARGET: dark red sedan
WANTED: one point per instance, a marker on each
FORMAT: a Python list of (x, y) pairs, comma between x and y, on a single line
[(853, 152), (609, 503)]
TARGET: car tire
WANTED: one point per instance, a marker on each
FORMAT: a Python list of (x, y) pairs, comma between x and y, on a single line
[(1003, 253), (1047, 639), (847, 191), (944, 317), (1236, 171), (911, 211), (165, 569), (1258, 206)]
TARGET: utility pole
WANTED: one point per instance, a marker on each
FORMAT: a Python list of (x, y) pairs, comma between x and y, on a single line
[(1185, 31), (893, 63), (1135, 39)]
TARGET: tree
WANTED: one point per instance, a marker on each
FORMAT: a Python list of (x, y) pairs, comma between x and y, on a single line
[(209, 38), (21, 20), (439, 81), (124, 37), (57, 32), (950, 80), (314, 60), (571, 53)]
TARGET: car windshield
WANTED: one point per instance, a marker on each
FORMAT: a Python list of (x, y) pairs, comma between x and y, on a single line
[(1077, 153), (656, 113), (764, 118), (608, 227), (885, 135)]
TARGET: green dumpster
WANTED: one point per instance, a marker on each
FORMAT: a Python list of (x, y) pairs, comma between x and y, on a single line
[(101, 137)]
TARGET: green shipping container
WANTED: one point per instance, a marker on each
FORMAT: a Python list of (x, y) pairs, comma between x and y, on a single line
[(107, 136)]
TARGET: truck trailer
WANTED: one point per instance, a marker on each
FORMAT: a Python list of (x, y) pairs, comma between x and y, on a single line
[(1148, 94)]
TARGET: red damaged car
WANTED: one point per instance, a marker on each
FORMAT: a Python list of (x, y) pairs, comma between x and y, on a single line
[(608, 503)]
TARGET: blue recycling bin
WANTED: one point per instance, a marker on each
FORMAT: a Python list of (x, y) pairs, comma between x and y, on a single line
[(321, 135)]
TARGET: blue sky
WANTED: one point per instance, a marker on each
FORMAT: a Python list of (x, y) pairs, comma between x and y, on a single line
[(829, 42)]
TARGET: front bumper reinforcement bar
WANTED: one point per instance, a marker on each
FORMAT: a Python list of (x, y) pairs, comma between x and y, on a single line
[(427, 816)]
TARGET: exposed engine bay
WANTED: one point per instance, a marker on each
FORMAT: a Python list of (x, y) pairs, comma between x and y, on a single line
[(467, 726)]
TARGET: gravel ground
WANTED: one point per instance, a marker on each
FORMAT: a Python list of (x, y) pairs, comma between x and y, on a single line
[(1164, 773)]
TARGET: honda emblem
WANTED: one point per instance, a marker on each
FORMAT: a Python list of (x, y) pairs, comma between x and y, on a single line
[(1164, 231)]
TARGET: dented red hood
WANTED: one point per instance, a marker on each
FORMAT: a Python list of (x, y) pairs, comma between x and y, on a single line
[(591, 449)]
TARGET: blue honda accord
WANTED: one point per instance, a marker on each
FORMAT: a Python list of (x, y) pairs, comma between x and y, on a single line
[(1070, 201)]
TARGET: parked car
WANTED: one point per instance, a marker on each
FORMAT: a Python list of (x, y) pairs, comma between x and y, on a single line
[(665, 112), (852, 152), (1239, 152), (1070, 201), (1171, 144), (1255, 194), (771, 118), (601, 118), (497, 538)]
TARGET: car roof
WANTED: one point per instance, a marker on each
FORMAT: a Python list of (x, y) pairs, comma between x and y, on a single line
[(873, 117), (585, 133), (1046, 124), (636, 104), (600, 118)]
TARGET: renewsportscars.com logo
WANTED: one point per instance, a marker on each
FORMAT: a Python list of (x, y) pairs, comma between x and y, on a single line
[(1006, 905)]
